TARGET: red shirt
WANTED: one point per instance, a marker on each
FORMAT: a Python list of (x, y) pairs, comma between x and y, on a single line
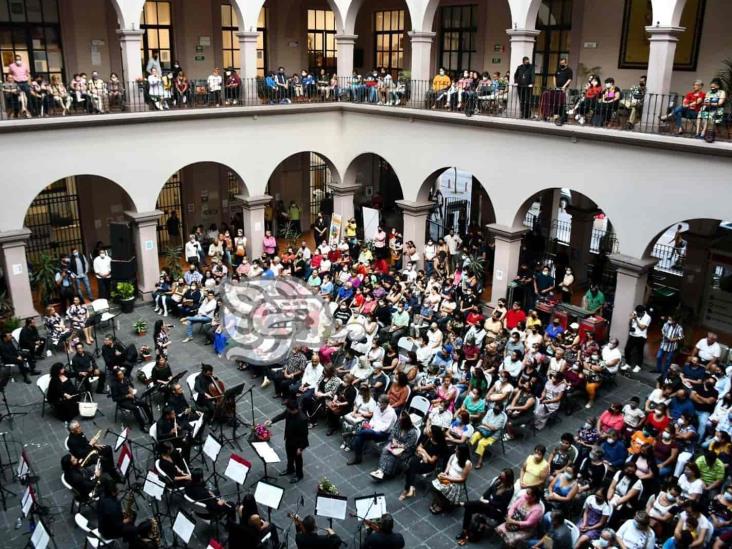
[(658, 425), (513, 317), (694, 99), (473, 318)]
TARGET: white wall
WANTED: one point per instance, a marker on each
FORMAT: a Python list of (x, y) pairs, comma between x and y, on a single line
[(643, 189)]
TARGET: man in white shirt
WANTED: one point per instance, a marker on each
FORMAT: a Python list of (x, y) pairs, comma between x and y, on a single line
[(309, 382), (103, 271), (305, 252), (707, 349), (204, 315), (430, 251), (453, 242), (377, 429), (192, 250), (611, 356), (636, 533), (637, 337)]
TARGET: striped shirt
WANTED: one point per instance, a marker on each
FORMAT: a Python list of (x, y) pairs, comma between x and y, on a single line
[(672, 336)]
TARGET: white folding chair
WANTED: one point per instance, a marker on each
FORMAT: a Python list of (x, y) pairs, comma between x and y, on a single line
[(42, 383), (93, 538), (147, 369), (16, 336), (153, 431), (573, 531), (66, 443), (418, 410), (191, 382), (199, 509)]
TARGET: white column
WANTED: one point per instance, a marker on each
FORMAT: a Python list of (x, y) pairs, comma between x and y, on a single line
[(415, 223), (345, 43), (343, 199), (248, 54), (145, 234), (663, 42), (17, 278), (522, 45), (253, 219), (630, 291), (505, 257), (130, 42), (421, 54)]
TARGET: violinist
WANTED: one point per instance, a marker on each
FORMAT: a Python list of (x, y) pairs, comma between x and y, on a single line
[(179, 434), (62, 393), (383, 535), (209, 389), (308, 537), (199, 492), (80, 447), (124, 395)]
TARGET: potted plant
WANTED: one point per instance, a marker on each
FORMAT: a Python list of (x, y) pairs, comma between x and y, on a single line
[(172, 256), (43, 279), (326, 487), (124, 294), (140, 326), (10, 324)]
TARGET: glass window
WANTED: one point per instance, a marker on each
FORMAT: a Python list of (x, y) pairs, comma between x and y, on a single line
[(389, 29), (458, 29), (157, 24), (322, 49), (229, 30), (29, 28), (555, 23)]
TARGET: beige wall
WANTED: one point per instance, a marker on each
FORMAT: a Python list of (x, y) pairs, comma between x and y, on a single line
[(97, 209), (81, 22), (603, 21)]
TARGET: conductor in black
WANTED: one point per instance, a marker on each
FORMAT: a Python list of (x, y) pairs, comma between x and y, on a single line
[(296, 438)]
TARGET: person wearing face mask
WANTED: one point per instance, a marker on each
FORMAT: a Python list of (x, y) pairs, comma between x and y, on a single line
[(720, 514), (282, 90), (440, 85), (562, 81), (607, 104), (103, 271), (523, 79), (614, 451), (636, 533), (712, 108), (588, 102), (712, 470), (689, 108), (543, 284), (490, 428), (623, 493), (662, 508), (80, 267)]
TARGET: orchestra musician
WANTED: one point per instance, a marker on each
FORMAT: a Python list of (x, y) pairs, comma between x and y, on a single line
[(177, 433), (113, 353), (309, 538), (112, 523), (62, 393), (173, 465), (382, 535), (124, 395), (80, 447), (80, 479), (209, 389), (177, 401), (84, 367), (161, 373), (30, 340), (146, 537), (259, 529), (198, 492)]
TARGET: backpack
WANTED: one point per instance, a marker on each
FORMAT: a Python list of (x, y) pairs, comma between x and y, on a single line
[(478, 528)]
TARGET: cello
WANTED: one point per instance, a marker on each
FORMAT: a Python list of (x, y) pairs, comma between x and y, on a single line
[(224, 408)]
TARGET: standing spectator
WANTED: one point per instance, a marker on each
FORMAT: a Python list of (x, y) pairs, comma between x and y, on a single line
[(103, 272), (65, 284), (21, 75), (173, 226), (154, 63), (193, 250), (294, 214), (672, 334), (269, 244), (80, 267), (215, 81), (634, 348), (523, 79)]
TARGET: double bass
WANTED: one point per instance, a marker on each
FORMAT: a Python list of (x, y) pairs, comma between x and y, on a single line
[(224, 407)]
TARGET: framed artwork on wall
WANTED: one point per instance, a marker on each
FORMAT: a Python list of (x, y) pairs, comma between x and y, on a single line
[(634, 43)]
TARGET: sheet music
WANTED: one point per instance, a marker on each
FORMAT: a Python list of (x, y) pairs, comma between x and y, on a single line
[(197, 426), (269, 495), (23, 468), (183, 527), (124, 465), (121, 438), (39, 538), (237, 469), (26, 501), (154, 487), (366, 508), (331, 507), (266, 452), (213, 544), (211, 448)]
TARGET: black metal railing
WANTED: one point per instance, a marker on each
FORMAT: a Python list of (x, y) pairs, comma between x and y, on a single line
[(631, 111), (670, 258)]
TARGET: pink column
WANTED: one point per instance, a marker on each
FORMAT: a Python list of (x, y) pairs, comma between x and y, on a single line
[(630, 291), (506, 257), (253, 217), (17, 277), (145, 234)]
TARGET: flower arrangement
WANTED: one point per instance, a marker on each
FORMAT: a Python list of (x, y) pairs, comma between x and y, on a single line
[(327, 487), (262, 432)]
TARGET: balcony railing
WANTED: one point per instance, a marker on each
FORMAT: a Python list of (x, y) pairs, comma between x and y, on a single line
[(649, 113), (670, 259)]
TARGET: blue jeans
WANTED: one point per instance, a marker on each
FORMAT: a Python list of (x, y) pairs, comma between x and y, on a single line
[(663, 360), (681, 112), (195, 320), (365, 435), (702, 418), (85, 281)]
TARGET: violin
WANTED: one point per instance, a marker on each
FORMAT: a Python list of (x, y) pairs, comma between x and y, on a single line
[(374, 525)]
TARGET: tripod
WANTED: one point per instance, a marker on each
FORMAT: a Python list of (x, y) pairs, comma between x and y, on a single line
[(8, 413)]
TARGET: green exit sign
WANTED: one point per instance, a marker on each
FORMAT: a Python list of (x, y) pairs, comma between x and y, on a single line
[(200, 58)]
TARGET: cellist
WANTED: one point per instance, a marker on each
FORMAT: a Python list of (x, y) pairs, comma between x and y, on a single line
[(210, 390)]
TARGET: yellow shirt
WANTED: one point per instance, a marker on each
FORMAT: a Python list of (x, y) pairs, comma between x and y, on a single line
[(535, 473), (531, 322), (440, 82), (351, 229)]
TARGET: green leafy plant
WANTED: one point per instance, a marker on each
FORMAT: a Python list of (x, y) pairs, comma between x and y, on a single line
[(725, 75), (325, 486), (583, 71), (477, 265), (123, 291), (43, 278), (172, 257), (140, 326), (6, 305), (10, 324)]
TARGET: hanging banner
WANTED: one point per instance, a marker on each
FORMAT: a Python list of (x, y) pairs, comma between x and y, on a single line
[(336, 222), (370, 223)]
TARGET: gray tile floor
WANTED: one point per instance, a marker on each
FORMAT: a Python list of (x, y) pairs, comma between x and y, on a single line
[(42, 439)]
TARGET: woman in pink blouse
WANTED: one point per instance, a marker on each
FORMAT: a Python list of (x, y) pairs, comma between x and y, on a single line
[(269, 244), (522, 519)]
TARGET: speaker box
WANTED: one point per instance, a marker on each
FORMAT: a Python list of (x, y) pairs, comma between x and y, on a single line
[(120, 240), (124, 269)]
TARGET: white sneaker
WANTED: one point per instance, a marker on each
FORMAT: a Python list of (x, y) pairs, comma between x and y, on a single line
[(625, 367), (636, 369), (49, 353), (165, 313), (265, 383), (343, 446), (186, 340), (588, 405), (378, 474), (157, 310)]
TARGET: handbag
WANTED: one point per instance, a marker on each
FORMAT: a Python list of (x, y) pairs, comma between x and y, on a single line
[(87, 406)]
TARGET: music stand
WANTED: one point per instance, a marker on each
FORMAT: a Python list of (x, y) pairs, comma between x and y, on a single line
[(266, 453), (232, 394), (269, 495), (183, 527), (8, 412), (237, 470), (155, 488), (368, 508), (331, 507), (41, 537), (212, 449)]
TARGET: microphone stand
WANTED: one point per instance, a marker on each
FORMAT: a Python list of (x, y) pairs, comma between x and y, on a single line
[(362, 519), (300, 502)]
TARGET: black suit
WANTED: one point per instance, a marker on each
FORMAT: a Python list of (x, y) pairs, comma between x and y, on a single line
[(86, 364), (296, 438), (30, 341), (317, 541), (110, 521), (79, 447), (379, 540), (10, 355), (120, 392), (111, 359), (81, 481)]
